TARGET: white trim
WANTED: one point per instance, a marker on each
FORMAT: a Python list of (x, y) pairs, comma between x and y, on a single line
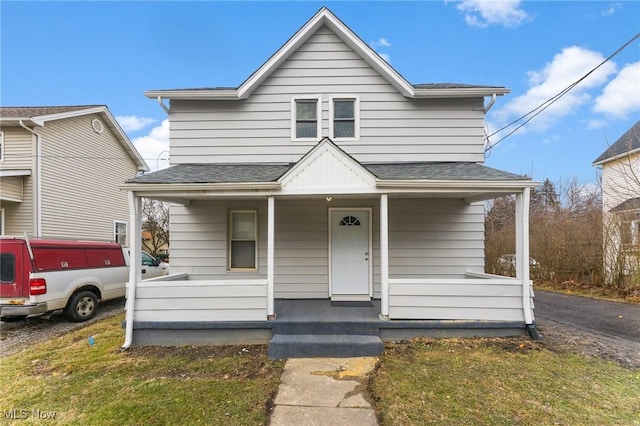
[(1, 146), (270, 255), (384, 255), (294, 118), (11, 173), (230, 240), (369, 210), (2, 218), (356, 116), (522, 251)]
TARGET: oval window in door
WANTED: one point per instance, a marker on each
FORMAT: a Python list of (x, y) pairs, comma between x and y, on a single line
[(350, 221)]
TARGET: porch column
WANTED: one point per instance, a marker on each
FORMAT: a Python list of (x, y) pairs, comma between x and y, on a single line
[(384, 256), (270, 256), (522, 251), (135, 263)]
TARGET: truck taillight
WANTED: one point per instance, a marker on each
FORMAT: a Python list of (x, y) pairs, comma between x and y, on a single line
[(37, 286)]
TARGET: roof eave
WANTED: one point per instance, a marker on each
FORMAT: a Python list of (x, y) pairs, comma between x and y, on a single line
[(199, 94), (616, 157), (461, 92), (200, 187), (465, 184)]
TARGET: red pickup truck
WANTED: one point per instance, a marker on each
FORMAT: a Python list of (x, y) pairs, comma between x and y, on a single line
[(38, 276)]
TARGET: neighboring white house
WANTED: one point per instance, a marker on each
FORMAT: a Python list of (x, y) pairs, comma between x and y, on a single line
[(60, 169), (620, 165), (327, 176)]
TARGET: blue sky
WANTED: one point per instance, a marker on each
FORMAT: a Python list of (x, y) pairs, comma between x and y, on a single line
[(73, 53)]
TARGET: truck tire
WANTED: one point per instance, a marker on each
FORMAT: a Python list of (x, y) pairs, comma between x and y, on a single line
[(82, 306)]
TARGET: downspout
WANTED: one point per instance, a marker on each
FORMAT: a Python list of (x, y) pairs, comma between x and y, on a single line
[(164, 107), (135, 273), (38, 178), (491, 102)]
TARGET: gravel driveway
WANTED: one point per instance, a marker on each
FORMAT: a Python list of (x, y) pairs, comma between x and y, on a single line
[(568, 323), (15, 336)]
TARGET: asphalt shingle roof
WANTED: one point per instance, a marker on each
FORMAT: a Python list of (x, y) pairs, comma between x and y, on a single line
[(237, 173), (631, 204), (630, 141), (36, 111)]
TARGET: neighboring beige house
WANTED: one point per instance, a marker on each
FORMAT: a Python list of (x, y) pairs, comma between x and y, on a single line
[(327, 203), (60, 168), (620, 165)]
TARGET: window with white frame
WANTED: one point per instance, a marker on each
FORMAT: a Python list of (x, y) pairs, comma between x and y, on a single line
[(306, 118), (344, 115), (630, 234), (1, 146), (120, 232), (243, 240)]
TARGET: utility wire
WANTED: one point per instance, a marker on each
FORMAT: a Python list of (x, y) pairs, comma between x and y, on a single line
[(546, 104)]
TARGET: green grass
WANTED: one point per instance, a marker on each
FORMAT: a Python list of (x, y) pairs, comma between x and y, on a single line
[(99, 384), (500, 382)]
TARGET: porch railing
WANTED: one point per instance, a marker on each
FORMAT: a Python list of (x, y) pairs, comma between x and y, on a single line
[(168, 300), (478, 297)]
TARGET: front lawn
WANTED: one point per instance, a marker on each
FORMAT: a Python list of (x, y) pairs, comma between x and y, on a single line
[(506, 381), (84, 384)]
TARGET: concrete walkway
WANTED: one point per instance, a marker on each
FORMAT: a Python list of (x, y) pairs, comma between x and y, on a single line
[(324, 391)]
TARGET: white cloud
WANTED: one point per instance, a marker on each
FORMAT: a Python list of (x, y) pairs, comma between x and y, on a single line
[(482, 13), (131, 123), (381, 42), (611, 9), (377, 44), (154, 147), (622, 95), (567, 67)]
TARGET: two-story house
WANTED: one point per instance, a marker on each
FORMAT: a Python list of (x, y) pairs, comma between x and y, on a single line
[(327, 203), (620, 165), (60, 168)]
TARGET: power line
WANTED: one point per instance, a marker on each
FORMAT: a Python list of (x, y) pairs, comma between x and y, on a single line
[(546, 104)]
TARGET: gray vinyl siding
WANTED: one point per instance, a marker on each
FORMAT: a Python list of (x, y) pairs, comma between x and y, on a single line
[(392, 127), (428, 238), (19, 154), (435, 238), (81, 172)]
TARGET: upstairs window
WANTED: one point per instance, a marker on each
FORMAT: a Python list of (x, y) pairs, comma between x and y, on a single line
[(305, 120), (345, 120)]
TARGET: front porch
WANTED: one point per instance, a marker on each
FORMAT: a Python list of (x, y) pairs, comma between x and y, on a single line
[(306, 327)]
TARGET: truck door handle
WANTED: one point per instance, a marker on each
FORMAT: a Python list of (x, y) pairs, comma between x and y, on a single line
[(144, 271)]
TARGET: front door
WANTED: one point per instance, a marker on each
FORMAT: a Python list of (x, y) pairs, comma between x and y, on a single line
[(350, 254)]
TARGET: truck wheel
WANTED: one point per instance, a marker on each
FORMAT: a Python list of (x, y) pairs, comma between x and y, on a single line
[(82, 306)]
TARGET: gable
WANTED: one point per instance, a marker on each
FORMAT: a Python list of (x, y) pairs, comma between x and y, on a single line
[(327, 168)]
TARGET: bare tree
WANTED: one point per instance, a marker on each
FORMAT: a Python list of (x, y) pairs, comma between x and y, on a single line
[(621, 214), (565, 232), (155, 227)]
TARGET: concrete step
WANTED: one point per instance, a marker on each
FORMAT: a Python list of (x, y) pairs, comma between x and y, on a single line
[(323, 327), (284, 346)]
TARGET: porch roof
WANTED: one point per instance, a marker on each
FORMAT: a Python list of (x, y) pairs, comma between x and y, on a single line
[(263, 173)]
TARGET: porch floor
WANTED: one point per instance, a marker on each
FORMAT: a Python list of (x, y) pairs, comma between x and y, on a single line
[(323, 310)]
